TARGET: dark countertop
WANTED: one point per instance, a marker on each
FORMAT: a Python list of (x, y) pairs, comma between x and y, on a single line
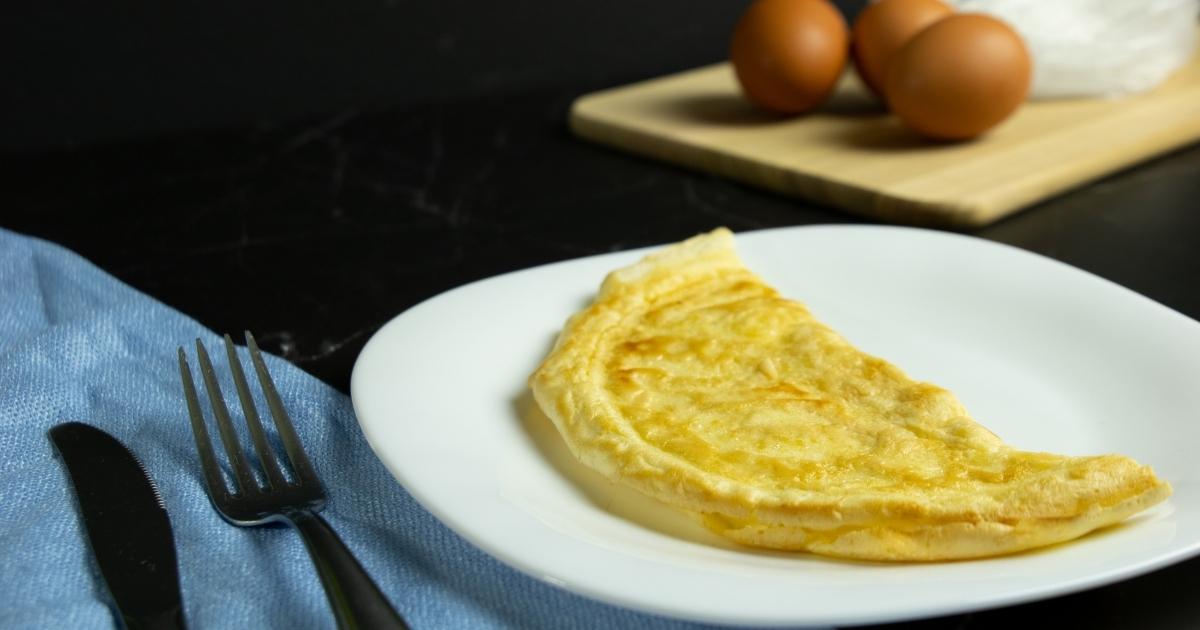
[(374, 155)]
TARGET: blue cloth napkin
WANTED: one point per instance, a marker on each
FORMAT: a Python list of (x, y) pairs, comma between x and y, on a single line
[(77, 344)]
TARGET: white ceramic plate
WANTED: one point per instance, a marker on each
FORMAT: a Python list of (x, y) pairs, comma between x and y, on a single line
[(1047, 356)]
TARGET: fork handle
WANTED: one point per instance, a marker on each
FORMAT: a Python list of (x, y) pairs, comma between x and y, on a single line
[(355, 599)]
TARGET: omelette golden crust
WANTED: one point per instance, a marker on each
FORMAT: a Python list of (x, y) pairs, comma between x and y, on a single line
[(694, 382)]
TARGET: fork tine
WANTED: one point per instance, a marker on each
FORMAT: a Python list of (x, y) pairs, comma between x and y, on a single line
[(287, 433), (243, 479), (212, 472), (266, 454)]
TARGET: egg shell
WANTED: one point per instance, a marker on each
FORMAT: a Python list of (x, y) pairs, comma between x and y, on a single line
[(881, 30), (959, 77), (789, 54)]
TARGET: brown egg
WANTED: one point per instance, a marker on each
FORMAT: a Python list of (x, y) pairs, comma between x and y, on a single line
[(788, 54), (959, 77), (883, 27)]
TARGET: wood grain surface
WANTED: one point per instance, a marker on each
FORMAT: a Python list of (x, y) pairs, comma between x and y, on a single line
[(853, 155)]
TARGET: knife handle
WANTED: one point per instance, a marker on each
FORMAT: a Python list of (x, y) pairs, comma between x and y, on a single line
[(355, 599), (167, 620)]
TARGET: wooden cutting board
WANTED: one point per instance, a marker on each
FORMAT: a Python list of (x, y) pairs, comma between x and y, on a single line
[(853, 155)]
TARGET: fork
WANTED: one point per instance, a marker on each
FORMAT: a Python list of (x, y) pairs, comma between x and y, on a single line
[(355, 599)]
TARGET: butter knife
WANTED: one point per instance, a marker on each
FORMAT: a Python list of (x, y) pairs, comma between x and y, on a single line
[(127, 526)]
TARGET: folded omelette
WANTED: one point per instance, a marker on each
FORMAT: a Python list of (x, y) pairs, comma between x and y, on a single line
[(692, 381)]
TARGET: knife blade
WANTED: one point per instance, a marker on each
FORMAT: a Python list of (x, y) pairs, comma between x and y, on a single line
[(127, 526)]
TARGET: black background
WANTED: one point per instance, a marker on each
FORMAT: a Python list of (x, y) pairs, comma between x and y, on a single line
[(79, 71), (308, 170)]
